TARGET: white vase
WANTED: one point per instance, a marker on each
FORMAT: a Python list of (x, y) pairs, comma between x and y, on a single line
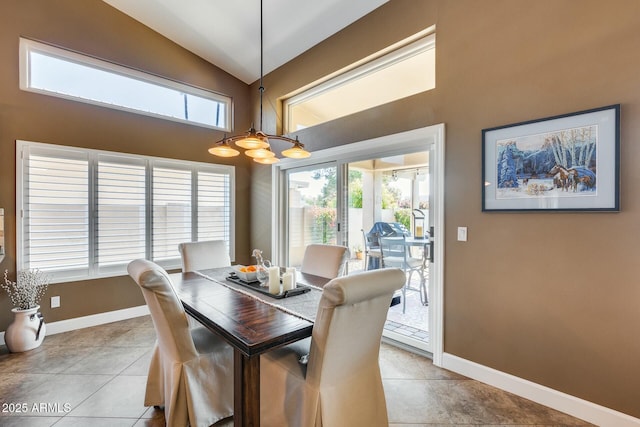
[(27, 330)]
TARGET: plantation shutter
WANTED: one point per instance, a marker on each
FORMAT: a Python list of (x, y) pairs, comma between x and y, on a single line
[(171, 211), (214, 206), (85, 213), (55, 211), (121, 219)]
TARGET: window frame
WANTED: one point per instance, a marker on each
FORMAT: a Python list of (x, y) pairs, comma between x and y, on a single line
[(28, 46), (95, 269)]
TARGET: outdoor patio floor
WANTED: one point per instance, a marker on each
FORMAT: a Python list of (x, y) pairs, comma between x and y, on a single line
[(414, 322)]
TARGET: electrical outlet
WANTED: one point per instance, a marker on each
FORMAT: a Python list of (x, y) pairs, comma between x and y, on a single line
[(462, 234), (55, 302)]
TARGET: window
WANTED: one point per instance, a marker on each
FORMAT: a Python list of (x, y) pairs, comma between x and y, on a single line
[(57, 72), (87, 213), (401, 70)]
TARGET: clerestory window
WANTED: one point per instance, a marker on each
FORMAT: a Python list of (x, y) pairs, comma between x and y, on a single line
[(58, 72), (399, 71)]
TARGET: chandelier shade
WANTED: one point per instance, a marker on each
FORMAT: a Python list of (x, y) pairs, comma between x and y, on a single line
[(297, 151), (253, 140), (223, 149), (260, 153), (267, 160), (256, 142)]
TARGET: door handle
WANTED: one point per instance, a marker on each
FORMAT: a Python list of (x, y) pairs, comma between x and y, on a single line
[(430, 244)]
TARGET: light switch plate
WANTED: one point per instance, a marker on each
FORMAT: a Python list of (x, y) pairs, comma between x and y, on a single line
[(55, 302), (462, 234)]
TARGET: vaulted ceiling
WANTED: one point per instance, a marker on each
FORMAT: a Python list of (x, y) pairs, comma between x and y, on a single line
[(227, 33)]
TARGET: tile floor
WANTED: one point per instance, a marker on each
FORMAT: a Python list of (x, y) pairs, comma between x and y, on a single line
[(96, 377)]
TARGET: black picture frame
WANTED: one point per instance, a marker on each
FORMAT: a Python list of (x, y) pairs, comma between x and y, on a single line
[(569, 162)]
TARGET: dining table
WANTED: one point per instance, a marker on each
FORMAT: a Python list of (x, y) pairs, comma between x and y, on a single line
[(251, 322)]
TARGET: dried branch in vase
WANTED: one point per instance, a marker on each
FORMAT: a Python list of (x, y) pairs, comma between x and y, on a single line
[(28, 288)]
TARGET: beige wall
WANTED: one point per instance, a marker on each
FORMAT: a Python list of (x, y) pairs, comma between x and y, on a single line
[(92, 27), (550, 297)]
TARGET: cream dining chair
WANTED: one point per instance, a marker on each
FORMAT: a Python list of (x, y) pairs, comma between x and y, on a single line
[(328, 261), (340, 384), (204, 255), (191, 370)]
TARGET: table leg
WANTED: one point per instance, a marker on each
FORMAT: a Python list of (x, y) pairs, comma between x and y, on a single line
[(246, 396)]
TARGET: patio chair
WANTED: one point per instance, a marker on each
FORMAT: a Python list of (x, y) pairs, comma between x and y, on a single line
[(395, 253), (370, 251)]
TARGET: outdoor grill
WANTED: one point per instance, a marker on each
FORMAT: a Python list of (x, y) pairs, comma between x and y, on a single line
[(384, 229), (387, 229)]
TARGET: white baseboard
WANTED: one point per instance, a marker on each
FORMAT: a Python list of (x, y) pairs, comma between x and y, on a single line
[(579, 408), (91, 320)]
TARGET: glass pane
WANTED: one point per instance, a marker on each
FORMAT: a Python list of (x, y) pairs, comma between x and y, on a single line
[(399, 74), (397, 197), (171, 211), (58, 72), (382, 195), (355, 216), (121, 213), (312, 210), (56, 223), (203, 110), (214, 206)]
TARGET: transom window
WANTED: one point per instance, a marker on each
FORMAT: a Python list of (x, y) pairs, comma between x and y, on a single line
[(57, 72), (399, 71), (86, 213)]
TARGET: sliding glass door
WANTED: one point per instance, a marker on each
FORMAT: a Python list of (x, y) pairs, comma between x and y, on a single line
[(340, 195), (312, 209), (343, 202)]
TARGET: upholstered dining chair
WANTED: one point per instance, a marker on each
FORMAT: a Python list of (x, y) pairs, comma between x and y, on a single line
[(203, 255), (191, 370), (396, 253), (333, 379), (328, 261)]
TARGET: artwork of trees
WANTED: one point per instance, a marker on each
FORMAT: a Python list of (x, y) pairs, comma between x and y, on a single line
[(564, 160)]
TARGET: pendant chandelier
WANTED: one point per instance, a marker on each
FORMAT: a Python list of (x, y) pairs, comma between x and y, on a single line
[(256, 142)]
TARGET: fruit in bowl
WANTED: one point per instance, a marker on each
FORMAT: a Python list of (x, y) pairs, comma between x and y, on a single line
[(246, 273)]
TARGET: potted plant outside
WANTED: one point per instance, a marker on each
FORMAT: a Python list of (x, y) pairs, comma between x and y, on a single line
[(28, 329)]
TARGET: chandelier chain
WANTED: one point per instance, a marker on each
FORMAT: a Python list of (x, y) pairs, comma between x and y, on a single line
[(256, 142)]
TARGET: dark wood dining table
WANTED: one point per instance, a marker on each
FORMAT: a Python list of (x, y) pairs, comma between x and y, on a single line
[(249, 323)]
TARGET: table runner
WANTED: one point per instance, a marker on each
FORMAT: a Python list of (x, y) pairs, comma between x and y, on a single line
[(304, 306)]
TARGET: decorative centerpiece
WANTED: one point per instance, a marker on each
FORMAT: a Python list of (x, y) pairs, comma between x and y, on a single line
[(27, 330), (262, 267)]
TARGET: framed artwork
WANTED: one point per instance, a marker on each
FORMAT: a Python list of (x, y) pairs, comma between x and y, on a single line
[(562, 163)]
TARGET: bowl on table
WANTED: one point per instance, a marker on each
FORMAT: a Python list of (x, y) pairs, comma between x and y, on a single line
[(246, 272)]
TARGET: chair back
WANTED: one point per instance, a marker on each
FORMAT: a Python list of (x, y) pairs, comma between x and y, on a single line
[(394, 252), (368, 240), (345, 344), (204, 255), (326, 261), (167, 313)]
